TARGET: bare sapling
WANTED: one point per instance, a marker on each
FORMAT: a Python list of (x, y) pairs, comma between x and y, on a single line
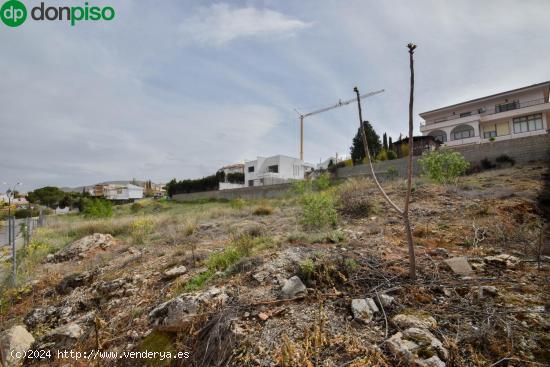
[(404, 213)]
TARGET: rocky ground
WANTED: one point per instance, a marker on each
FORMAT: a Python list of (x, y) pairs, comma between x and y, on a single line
[(246, 284)]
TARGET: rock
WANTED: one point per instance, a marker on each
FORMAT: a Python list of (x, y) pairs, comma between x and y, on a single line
[(132, 250), (263, 316), (13, 341), (363, 309), (40, 316), (405, 321), (176, 311), (64, 336), (488, 291), (50, 258), (502, 260), (386, 300), (459, 265), (113, 288), (433, 361), (81, 247), (260, 276), (293, 287), (413, 344), (70, 282), (175, 272), (440, 251), (173, 312)]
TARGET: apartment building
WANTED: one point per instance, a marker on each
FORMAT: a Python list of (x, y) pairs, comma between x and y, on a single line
[(513, 114)]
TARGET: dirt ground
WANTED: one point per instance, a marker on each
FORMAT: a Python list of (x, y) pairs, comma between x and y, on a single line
[(495, 316)]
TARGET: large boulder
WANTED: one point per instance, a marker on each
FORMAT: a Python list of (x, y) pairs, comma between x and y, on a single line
[(80, 248), (175, 272), (502, 261), (14, 342)]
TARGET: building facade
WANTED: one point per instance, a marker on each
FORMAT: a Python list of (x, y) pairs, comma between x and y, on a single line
[(126, 192), (275, 170), (513, 114), (231, 172)]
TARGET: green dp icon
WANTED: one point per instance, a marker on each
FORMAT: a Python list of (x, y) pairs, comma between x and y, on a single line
[(13, 13)]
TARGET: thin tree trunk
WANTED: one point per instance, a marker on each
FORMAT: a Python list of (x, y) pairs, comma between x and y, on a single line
[(405, 212), (406, 221), (367, 153)]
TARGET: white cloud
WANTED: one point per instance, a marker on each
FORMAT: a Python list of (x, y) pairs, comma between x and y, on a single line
[(221, 23)]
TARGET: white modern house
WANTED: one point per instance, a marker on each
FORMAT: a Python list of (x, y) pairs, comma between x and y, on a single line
[(126, 192), (275, 170), (513, 114), (232, 169)]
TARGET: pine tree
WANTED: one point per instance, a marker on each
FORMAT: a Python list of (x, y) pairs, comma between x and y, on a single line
[(357, 149), (385, 141)]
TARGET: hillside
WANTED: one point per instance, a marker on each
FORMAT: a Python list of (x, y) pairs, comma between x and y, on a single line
[(263, 283)]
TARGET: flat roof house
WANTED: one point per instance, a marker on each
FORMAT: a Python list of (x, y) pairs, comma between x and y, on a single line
[(275, 170), (126, 192), (233, 176), (513, 114)]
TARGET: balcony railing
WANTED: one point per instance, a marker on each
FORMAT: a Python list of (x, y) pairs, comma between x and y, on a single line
[(497, 109)]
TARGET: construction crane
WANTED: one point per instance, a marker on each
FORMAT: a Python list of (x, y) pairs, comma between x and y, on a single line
[(339, 104)]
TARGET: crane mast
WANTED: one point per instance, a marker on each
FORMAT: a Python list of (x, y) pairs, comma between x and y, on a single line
[(325, 109)]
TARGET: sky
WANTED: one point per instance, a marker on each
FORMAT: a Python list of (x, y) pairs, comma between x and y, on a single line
[(177, 89)]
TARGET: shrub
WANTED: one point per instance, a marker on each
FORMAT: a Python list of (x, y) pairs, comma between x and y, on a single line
[(141, 228), (382, 156), (318, 210), (354, 198), (322, 182), (97, 208), (237, 204), (391, 155), (24, 213), (302, 186), (136, 207), (263, 210), (503, 158), (486, 164), (443, 165)]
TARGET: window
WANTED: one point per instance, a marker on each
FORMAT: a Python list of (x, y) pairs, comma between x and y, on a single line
[(464, 114), (506, 106), (528, 123), (489, 134), (439, 136), (273, 169), (251, 182), (462, 132), (251, 169)]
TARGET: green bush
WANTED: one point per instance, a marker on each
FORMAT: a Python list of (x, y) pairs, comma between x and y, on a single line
[(301, 187), (97, 208), (391, 155), (136, 207), (24, 213), (322, 182), (443, 165), (318, 210)]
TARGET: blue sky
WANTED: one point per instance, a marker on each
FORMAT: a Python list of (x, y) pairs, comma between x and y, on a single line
[(179, 88)]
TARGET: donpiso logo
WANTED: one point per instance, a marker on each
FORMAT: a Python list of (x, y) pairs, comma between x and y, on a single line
[(14, 13)]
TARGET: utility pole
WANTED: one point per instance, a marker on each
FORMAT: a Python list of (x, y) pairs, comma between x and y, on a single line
[(325, 109)]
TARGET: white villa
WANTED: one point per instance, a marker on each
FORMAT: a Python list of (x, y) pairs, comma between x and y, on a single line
[(275, 170), (228, 170), (126, 192), (507, 115)]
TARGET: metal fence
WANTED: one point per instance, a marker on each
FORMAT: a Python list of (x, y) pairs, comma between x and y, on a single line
[(20, 230)]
